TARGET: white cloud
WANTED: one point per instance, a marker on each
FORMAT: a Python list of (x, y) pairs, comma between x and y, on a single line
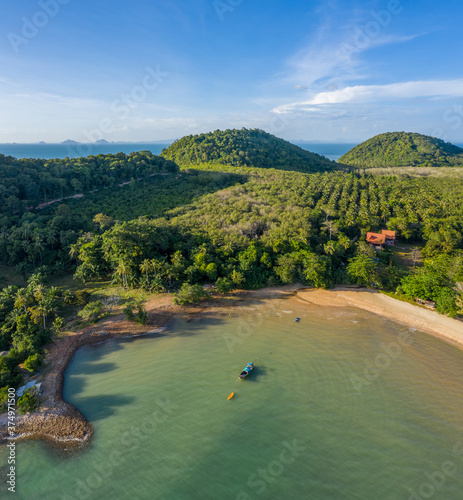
[(377, 93)]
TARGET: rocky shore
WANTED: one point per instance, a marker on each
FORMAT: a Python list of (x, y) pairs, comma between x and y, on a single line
[(57, 421)]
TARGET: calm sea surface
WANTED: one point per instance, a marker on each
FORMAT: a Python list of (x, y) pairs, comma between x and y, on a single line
[(342, 405), (49, 151), (333, 151)]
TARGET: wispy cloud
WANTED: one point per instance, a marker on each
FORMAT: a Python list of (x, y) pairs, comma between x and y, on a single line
[(334, 65), (377, 93)]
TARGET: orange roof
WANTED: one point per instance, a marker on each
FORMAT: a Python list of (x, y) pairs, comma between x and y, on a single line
[(389, 234), (376, 238)]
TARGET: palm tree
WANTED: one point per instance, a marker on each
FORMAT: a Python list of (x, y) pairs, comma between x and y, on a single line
[(26, 230), (74, 251), (51, 238), (44, 308), (22, 299), (39, 292), (122, 271), (38, 246), (330, 226), (145, 267), (155, 266), (157, 284)]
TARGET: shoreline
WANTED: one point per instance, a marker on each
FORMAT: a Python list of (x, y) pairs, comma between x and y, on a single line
[(61, 424), (428, 321)]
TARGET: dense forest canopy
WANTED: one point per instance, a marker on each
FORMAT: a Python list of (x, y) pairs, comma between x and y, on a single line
[(245, 148), (143, 222), (402, 149), (25, 183)]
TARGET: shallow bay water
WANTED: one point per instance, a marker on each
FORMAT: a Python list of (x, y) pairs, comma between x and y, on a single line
[(341, 405)]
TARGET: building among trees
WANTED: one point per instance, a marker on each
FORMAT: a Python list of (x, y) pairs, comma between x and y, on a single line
[(378, 240)]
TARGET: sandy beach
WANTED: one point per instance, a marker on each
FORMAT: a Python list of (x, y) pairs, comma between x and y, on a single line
[(429, 321), (60, 423)]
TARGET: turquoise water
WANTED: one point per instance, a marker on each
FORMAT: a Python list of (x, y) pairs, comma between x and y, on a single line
[(342, 405)]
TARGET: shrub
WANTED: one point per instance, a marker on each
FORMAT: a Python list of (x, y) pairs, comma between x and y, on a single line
[(128, 311), (4, 396), (27, 402), (445, 302), (141, 315), (82, 297), (34, 362), (189, 294), (224, 285), (91, 311)]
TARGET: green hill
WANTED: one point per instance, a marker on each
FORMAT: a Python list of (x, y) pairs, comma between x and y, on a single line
[(403, 149), (245, 148)]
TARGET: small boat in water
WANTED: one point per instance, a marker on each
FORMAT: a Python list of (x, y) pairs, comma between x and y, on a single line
[(246, 371)]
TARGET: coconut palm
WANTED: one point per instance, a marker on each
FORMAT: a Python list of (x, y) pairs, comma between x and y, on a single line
[(146, 267), (22, 299), (122, 270), (74, 251)]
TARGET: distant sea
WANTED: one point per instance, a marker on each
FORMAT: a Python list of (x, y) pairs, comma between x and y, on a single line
[(333, 151)]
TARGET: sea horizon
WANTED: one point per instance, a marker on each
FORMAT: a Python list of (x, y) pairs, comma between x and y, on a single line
[(49, 151)]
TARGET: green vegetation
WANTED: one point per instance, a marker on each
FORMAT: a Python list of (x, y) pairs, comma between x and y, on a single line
[(28, 182), (26, 316), (232, 227), (45, 236), (280, 227), (92, 311), (189, 294), (402, 149), (245, 148), (139, 315), (28, 402), (440, 280), (33, 362)]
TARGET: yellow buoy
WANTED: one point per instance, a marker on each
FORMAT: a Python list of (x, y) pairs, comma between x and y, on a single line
[(231, 395)]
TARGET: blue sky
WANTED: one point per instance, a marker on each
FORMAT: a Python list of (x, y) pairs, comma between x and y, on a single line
[(304, 70)]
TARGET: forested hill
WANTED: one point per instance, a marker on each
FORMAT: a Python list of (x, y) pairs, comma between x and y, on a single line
[(403, 149), (245, 148), (28, 182)]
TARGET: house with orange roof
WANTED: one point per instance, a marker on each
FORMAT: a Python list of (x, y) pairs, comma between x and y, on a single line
[(376, 239), (390, 237)]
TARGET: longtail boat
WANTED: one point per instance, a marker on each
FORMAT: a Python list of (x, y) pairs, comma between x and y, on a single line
[(246, 371)]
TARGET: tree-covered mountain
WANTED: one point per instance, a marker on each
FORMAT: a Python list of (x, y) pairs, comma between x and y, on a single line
[(403, 149), (244, 147)]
